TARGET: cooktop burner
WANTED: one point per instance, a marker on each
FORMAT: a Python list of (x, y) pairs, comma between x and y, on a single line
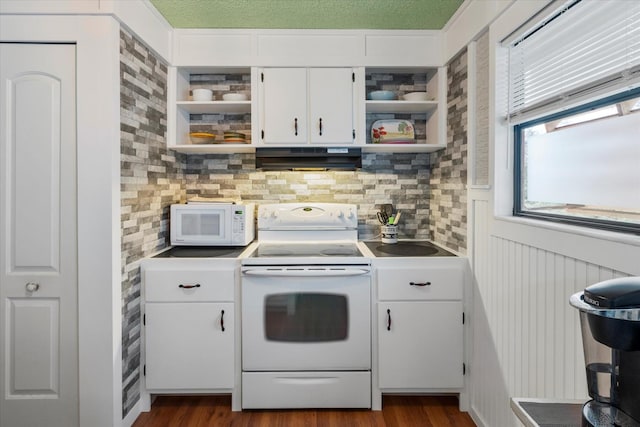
[(202, 252), (406, 249), (286, 249)]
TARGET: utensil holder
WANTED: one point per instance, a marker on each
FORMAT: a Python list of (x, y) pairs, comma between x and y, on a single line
[(389, 234)]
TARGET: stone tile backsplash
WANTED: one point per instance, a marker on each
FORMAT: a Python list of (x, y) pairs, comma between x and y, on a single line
[(448, 184), (150, 180), (400, 179)]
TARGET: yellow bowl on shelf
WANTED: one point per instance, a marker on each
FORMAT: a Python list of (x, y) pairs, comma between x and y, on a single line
[(202, 137)]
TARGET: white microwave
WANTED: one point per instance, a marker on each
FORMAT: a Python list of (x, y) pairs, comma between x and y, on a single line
[(212, 224)]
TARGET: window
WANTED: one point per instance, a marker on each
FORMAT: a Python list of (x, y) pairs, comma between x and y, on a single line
[(582, 166), (574, 105)]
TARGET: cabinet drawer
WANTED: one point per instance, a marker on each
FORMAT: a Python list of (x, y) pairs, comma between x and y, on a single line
[(428, 284), (327, 389), (189, 285)]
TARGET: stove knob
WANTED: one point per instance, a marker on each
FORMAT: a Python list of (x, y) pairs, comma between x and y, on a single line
[(340, 214), (351, 215), (274, 214)]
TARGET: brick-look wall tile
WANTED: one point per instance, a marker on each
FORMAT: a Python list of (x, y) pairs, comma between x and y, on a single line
[(448, 194), (150, 181), (400, 179)]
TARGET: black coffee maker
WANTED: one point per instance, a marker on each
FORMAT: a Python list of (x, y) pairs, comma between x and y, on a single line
[(610, 322)]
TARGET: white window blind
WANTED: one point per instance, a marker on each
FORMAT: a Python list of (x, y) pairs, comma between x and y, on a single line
[(581, 50)]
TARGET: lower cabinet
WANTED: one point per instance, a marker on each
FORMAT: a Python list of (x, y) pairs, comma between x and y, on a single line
[(420, 344), (189, 345), (420, 331), (190, 328)]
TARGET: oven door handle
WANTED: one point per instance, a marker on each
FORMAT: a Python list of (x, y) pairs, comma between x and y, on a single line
[(316, 272)]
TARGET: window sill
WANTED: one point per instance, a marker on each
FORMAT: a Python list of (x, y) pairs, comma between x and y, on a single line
[(594, 233), (617, 252)]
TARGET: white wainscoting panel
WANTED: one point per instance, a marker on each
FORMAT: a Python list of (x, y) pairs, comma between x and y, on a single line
[(526, 336)]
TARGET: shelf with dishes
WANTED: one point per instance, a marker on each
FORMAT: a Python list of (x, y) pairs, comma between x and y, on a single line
[(403, 112), (210, 109)]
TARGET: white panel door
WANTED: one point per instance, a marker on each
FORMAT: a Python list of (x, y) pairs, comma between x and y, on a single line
[(331, 105), (38, 239), (284, 98)]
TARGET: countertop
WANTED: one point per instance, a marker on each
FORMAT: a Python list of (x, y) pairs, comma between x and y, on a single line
[(548, 412)]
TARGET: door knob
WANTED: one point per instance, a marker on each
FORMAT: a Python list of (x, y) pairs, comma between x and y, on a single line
[(32, 287)]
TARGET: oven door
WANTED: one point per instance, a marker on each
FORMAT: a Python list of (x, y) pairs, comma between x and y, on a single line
[(310, 318)]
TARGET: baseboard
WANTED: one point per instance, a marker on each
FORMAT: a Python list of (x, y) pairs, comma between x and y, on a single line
[(132, 416), (477, 419)]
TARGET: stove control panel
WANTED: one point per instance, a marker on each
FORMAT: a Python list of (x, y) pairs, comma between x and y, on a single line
[(307, 216)]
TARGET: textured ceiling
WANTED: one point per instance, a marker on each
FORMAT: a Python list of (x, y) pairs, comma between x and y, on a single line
[(308, 14)]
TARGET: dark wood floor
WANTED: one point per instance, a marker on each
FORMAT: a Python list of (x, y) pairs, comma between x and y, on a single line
[(214, 411)]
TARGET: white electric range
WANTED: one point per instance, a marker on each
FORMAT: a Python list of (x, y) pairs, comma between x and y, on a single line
[(306, 310)]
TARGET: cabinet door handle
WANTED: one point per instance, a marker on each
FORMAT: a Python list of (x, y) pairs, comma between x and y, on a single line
[(222, 320), (295, 125), (388, 319), (420, 284), (320, 126), (197, 285)]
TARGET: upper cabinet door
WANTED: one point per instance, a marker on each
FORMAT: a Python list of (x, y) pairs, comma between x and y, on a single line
[(303, 105), (285, 105), (331, 105)]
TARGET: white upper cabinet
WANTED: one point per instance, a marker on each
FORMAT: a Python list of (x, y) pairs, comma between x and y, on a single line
[(307, 105), (306, 87), (284, 105), (331, 105)]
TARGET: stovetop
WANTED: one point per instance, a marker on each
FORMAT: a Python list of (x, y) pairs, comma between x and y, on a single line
[(321, 249), (406, 249), (202, 252)]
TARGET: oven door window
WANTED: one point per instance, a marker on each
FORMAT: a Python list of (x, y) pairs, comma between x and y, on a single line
[(306, 317)]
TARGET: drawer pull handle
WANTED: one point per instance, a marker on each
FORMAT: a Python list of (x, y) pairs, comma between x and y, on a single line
[(295, 125), (388, 319), (222, 320), (320, 126), (197, 285), (419, 284)]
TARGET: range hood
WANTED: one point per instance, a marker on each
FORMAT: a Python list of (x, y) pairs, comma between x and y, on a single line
[(309, 158)]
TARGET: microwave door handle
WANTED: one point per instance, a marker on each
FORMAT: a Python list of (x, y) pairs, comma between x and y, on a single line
[(305, 273)]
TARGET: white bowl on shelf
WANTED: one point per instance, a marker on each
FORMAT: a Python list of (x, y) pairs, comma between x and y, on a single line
[(234, 97), (202, 95), (415, 96)]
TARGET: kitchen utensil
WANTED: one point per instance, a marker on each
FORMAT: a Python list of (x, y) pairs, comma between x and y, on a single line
[(234, 97), (387, 208), (202, 94), (382, 95), (397, 218), (383, 217), (392, 132), (415, 96), (202, 137)]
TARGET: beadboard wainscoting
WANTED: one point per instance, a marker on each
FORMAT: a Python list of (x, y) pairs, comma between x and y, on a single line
[(526, 336)]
